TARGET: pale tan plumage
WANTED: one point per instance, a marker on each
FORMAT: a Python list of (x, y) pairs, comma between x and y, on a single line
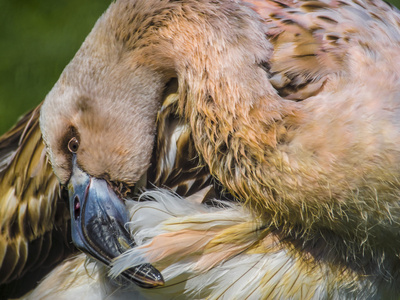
[(292, 105)]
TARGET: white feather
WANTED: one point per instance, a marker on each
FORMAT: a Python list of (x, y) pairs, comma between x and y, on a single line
[(274, 274)]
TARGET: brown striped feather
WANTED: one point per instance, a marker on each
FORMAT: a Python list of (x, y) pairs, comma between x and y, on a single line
[(34, 216), (176, 164)]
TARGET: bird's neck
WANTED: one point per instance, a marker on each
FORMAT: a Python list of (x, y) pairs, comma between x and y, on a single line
[(237, 117)]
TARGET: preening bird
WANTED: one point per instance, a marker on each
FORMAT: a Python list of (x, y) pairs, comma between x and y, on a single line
[(291, 106), (178, 171)]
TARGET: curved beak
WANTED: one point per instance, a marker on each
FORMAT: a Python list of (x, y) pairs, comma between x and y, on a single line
[(98, 219)]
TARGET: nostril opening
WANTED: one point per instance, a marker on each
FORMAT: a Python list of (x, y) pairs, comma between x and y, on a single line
[(77, 207)]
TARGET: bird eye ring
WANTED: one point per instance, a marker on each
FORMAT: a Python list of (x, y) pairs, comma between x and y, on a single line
[(73, 145)]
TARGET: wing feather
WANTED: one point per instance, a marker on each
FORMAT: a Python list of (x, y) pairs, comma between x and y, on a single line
[(175, 163), (33, 215)]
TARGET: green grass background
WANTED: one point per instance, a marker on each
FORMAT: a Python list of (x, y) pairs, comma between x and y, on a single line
[(37, 40)]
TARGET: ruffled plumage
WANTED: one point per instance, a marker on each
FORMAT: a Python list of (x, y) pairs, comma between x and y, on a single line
[(289, 108), (208, 253)]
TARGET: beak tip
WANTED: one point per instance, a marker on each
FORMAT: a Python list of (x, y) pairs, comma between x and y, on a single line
[(145, 276)]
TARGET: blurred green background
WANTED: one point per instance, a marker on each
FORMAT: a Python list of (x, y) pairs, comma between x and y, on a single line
[(37, 40)]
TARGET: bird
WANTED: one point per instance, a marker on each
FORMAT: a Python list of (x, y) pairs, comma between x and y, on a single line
[(292, 107)]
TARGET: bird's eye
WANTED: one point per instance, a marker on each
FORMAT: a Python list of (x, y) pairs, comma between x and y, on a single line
[(73, 145)]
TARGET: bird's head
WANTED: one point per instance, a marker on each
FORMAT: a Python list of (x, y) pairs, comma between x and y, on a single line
[(105, 119)]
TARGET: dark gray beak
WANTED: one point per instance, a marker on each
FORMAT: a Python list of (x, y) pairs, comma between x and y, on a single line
[(98, 219)]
